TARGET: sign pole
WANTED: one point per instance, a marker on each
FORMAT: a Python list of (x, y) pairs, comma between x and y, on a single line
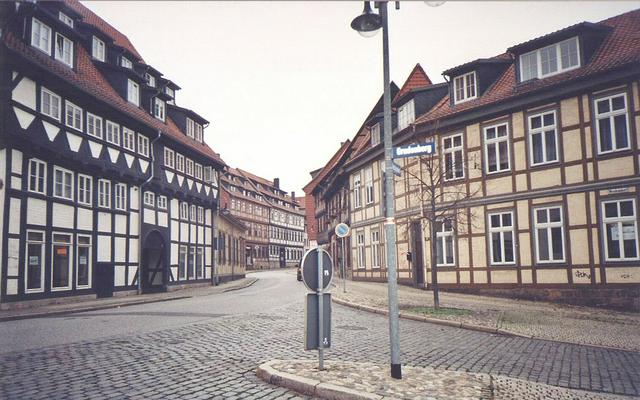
[(320, 313), (344, 269)]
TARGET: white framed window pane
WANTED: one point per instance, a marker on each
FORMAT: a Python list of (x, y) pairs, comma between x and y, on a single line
[(40, 36), (34, 262), (64, 50), (94, 125), (98, 49)]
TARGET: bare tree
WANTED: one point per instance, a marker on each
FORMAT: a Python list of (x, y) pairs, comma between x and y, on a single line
[(442, 192)]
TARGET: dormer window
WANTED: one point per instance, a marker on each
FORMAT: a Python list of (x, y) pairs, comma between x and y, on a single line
[(465, 87), (133, 92), (41, 36), (98, 49), (550, 60), (64, 50), (375, 134), (65, 18), (151, 81), (194, 130), (125, 62), (406, 114), (158, 109)]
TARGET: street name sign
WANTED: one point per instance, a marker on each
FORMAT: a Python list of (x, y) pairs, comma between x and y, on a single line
[(395, 168), (311, 316), (414, 150), (342, 230), (310, 269)]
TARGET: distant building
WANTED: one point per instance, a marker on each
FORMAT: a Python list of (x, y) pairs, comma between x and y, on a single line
[(231, 262)]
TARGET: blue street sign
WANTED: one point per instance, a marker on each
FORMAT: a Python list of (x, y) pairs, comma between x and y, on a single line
[(414, 150)]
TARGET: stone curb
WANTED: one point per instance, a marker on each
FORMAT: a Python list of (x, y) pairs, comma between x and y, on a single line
[(99, 307), (309, 387), (471, 327)]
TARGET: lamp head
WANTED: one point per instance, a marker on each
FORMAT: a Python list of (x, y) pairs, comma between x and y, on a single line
[(368, 23)]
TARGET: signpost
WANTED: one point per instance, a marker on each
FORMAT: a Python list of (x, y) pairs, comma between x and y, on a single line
[(414, 150), (317, 272), (342, 230)]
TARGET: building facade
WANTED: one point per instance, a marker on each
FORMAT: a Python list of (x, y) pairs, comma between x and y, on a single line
[(107, 185), (537, 163), (232, 232)]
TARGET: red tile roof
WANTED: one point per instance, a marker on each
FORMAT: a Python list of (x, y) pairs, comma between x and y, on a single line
[(621, 47), (333, 161), (417, 79), (85, 76)]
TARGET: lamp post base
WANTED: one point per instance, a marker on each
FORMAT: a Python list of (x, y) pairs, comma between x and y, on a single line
[(396, 371)]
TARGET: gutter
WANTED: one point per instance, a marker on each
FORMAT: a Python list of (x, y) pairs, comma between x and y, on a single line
[(141, 209)]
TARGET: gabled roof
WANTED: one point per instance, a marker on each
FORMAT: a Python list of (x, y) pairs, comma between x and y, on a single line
[(86, 77), (557, 35), (417, 79), (328, 167), (619, 49)]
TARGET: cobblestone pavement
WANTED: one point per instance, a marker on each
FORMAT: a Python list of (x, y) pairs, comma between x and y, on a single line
[(217, 358), (573, 324)]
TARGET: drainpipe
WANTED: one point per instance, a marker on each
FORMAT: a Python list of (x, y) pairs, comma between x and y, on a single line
[(141, 209), (214, 228)]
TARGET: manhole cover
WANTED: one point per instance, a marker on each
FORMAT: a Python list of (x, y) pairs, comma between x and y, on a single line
[(351, 328)]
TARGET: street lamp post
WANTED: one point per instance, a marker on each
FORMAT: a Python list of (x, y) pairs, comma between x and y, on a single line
[(367, 24)]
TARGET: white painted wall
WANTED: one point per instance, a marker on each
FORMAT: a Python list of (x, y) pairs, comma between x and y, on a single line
[(149, 216), (62, 216), (104, 222), (133, 253), (85, 219), (36, 211), (104, 248), (120, 249), (16, 162), (14, 216), (25, 93), (121, 224)]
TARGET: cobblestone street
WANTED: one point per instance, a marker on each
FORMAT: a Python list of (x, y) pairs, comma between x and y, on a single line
[(217, 358)]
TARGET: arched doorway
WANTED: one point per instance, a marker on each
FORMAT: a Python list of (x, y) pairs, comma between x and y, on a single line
[(154, 269)]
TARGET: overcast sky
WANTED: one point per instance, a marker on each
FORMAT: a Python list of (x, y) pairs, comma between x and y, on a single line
[(283, 83)]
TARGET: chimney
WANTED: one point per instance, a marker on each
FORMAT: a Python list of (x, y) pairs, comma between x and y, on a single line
[(276, 183), (293, 196)]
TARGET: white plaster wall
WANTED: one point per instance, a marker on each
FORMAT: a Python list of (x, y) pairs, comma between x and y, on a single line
[(175, 208), (85, 219), (14, 216), (201, 235), (13, 255), (149, 216), (133, 250), (104, 222), (16, 161), (207, 235), (133, 198), (132, 274), (207, 255), (25, 93), (104, 248), (175, 230), (121, 224), (120, 249), (120, 277), (62, 216), (192, 239), (184, 232), (133, 224), (36, 211), (207, 216), (163, 219), (16, 183)]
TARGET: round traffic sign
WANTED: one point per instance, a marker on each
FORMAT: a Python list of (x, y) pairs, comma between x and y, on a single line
[(310, 269), (342, 230)]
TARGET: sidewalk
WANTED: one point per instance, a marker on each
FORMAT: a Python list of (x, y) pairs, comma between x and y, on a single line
[(115, 302), (541, 320), (348, 380)]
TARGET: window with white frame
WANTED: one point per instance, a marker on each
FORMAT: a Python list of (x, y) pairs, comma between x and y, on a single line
[(501, 233), (496, 148), (64, 50), (189, 167), (125, 62), (40, 36), (162, 202), (158, 109), (128, 141), (375, 134), (361, 250), (85, 184), (83, 271), (184, 211), (62, 183), (149, 199), (368, 185), (65, 18), (464, 87), (133, 92), (620, 230), (37, 176), (169, 91), (200, 215), (34, 262), (50, 103), (191, 129), (357, 195), (198, 170), (104, 193), (453, 153), (182, 262), (113, 132), (179, 162), (193, 213), (143, 145), (61, 261), (199, 133), (73, 115), (406, 114), (612, 124), (543, 141), (94, 125), (121, 196), (445, 254), (150, 80), (550, 60), (375, 249), (207, 174), (98, 49), (169, 158), (549, 234)]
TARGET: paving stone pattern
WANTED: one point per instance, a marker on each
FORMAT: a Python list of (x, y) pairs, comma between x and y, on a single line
[(218, 358)]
